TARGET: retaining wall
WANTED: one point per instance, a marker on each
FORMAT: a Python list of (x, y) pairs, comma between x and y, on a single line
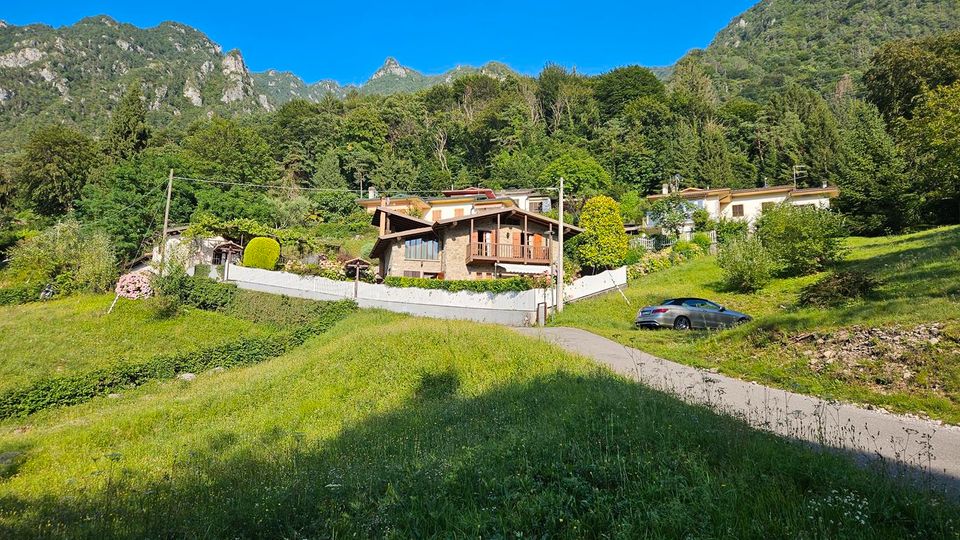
[(510, 308)]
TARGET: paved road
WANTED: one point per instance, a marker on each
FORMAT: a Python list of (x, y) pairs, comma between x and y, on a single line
[(920, 449)]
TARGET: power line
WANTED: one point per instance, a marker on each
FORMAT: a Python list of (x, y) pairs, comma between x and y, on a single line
[(330, 190)]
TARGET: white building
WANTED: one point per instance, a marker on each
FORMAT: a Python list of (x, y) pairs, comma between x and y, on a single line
[(748, 204)]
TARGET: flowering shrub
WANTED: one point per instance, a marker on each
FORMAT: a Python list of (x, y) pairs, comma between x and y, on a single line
[(655, 261), (326, 269), (135, 286)]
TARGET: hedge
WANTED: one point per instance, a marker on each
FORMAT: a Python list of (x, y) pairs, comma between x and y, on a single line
[(20, 294), (513, 284), (74, 389)]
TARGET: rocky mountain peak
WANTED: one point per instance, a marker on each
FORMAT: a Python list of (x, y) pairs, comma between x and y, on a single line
[(392, 67)]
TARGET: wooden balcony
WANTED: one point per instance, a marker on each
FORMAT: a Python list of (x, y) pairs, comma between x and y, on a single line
[(514, 253)]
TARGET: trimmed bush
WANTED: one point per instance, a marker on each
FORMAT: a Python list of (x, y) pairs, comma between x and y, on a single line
[(603, 242), (480, 285), (804, 239), (261, 252), (747, 265), (838, 288)]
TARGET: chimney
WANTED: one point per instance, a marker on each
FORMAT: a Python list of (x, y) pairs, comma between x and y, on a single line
[(824, 184), (372, 193), (666, 189)]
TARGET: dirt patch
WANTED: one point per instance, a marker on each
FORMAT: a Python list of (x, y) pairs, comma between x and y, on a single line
[(885, 358)]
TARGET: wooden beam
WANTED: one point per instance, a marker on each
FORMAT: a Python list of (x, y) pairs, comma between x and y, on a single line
[(526, 238)]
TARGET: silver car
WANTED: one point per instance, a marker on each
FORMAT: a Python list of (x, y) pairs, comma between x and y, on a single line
[(688, 313)]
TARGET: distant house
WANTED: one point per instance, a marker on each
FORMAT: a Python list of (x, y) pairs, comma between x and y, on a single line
[(214, 250), (468, 234), (748, 204)]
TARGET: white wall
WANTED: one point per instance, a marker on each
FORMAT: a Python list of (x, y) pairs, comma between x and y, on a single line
[(511, 308)]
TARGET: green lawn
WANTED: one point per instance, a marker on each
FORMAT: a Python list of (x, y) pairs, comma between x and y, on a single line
[(75, 334), (921, 284), (389, 426)]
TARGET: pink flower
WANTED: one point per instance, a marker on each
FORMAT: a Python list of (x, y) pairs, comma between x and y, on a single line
[(135, 286)]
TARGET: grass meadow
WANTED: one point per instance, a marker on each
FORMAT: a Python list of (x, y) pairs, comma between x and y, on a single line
[(920, 283), (398, 427), (74, 334)]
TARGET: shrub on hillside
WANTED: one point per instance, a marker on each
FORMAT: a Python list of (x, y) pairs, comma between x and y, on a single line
[(603, 242), (837, 288), (634, 255), (21, 294), (703, 240), (803, 239), (655, 261), (73, 258), (747, 265), (261, 252), (731, 229), (688, 250)]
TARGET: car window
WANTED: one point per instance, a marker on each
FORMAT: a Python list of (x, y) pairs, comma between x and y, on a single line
[(693, 303), (710, 305)]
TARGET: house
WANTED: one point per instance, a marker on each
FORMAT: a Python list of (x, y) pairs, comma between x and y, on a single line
[(748, 204), (459, 202), (214, 250), (474, 241)]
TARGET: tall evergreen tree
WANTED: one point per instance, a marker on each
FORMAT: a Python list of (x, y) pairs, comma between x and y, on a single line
[(128, 133)]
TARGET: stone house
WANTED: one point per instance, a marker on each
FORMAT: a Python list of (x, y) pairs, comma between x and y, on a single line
[(485, 243)]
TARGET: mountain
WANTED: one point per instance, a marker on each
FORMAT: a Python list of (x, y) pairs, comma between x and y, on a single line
[(814, 42), (77, 74), (390, 78)]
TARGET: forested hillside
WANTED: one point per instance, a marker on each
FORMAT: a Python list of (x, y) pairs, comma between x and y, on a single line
[(886, 138), (815, 43)]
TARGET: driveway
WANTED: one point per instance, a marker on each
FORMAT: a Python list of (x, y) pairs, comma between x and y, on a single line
[(922, 450)]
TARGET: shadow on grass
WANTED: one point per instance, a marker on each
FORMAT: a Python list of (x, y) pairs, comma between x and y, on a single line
[(558, 456)]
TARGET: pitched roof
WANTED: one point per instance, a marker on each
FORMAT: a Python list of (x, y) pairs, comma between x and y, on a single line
[(726, 194), (406, 220), (530, 215)]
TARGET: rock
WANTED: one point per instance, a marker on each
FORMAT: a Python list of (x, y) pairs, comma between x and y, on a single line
[(218, 369), (186, 376), (934, 340), (113, 396)]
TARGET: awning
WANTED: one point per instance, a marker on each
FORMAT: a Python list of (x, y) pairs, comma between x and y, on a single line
[(524, 268)]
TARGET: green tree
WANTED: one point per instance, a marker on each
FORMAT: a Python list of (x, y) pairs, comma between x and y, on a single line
[(671, 213), (603, 242), (581, 173), (126, 199), (222, 149), (53, 167), (128, 133), (901, 70), (616, 88), (934, 146), (328, 174), (715, 165), (874, 191)]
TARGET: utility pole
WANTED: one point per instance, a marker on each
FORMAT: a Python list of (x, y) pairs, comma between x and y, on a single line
[(166, 223), (560, 253)]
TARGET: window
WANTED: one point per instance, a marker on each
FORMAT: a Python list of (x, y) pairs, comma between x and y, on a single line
[(536, 206), (435, 215), (765, 207), (738, 210), (411, 273), (419, 248)]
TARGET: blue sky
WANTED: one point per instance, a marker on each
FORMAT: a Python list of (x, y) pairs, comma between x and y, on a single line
[(348, 41)]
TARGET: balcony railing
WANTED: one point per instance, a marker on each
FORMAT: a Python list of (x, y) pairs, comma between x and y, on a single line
[(508, 252)]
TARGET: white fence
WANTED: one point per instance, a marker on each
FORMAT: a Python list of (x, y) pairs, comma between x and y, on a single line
[(511, 308)]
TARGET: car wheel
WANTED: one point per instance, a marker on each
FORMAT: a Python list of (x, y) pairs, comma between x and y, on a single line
[(681, 323), (741, 320)]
